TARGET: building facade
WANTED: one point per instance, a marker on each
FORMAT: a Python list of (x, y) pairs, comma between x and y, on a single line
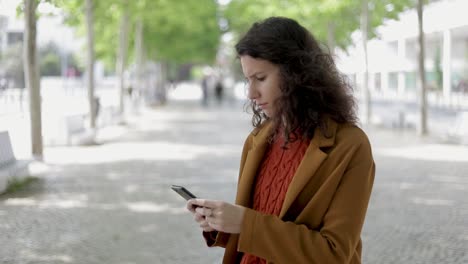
[(393, 57)]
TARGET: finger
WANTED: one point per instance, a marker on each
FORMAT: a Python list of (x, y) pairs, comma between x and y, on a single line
[(216, 227), (208, 229), (190, 206), (204, 224), (212, 219), (207, 203), (200, 211), (197, 202), (207, 211), (198, 217), (212, 203), (203, 211)]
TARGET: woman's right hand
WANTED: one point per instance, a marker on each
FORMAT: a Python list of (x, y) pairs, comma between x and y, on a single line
[(199, 217)]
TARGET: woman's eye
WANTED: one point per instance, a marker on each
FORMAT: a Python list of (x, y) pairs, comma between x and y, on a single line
[(261, 78)]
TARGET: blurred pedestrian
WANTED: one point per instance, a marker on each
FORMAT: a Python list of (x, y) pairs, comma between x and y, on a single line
[(130, 91), (462, 86), (219, 91), (3, 84), (97, 106), (204, 86), (306, 170)]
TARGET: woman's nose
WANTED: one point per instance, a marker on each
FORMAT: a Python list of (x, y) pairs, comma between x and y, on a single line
[(252, 93)]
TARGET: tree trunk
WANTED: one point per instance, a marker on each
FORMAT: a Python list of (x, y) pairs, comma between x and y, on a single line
[(122, 54), (31, 72), (165, 79), (90, 62), (365, 88), (422, 128), (139, 61)]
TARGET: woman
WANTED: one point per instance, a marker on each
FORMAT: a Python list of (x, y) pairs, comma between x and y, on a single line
[(306, 169)]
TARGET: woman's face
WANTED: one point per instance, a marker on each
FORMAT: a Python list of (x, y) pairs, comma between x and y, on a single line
[(263, 79)]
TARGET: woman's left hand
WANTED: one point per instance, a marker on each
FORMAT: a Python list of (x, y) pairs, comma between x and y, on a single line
[(221, 216)]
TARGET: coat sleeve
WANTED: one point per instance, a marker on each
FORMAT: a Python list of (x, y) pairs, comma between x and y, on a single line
[(271, 238), (220, 239), (216, 239)]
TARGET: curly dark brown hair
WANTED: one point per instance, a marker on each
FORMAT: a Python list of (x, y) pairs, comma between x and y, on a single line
[(312, 87)]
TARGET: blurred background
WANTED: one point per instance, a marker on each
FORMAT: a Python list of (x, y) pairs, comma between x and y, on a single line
[(106, 103)]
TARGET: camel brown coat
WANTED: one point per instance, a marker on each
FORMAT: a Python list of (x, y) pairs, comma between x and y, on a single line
[(324, 208)]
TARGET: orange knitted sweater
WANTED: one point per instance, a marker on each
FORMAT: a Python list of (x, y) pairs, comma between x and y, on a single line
[(274, 176)]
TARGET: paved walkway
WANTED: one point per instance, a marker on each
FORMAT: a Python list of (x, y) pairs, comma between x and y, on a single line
[(111, 203)]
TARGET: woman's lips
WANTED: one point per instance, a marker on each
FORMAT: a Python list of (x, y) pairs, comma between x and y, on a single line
[(262, 106)]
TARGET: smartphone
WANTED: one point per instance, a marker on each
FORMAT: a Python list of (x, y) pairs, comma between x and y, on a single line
[(183, 192)]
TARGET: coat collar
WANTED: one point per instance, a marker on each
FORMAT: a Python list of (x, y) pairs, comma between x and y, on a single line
[(253, 160), (260, 134), (311, 161)]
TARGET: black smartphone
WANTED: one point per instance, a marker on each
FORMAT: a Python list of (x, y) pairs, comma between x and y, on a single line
[(183, 192)]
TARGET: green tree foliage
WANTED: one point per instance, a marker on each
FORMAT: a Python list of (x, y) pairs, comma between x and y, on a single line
[(315, 15), (49, 60), (106, 14), (242, 13), (179, 31), (182, 31)]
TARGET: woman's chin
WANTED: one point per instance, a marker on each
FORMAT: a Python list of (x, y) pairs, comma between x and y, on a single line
[(267, 113)]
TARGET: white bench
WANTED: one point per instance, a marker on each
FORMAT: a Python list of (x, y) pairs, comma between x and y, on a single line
[(10, 167), (76, 130), (459, 132), (74, 125)]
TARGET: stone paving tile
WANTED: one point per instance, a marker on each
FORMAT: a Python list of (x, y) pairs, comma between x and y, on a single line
[(112, 203), (419, 207)]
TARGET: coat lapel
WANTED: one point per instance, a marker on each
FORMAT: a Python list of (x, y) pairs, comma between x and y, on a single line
[(311, 161), (253, 160)]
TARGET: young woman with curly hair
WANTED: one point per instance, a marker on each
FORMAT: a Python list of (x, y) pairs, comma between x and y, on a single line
[(306, 171)]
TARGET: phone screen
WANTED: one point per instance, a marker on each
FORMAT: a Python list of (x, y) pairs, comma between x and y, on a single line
[(183, 192)]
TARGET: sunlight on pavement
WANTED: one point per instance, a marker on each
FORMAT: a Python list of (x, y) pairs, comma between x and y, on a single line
[(54, 258), (60, 203), (38, 168), (147, 207), (164, 151), (63, 204), (106, 207), (151, 207), (449, 179), (431, 152), (454, 182), (425, 201), (55, 201), (131, 188), (46, 204), (185, 91), (156, 119), (192, 91), (21, 202), (407, 185)]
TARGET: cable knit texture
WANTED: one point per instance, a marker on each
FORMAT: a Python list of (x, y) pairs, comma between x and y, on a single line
[(275, 174)]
